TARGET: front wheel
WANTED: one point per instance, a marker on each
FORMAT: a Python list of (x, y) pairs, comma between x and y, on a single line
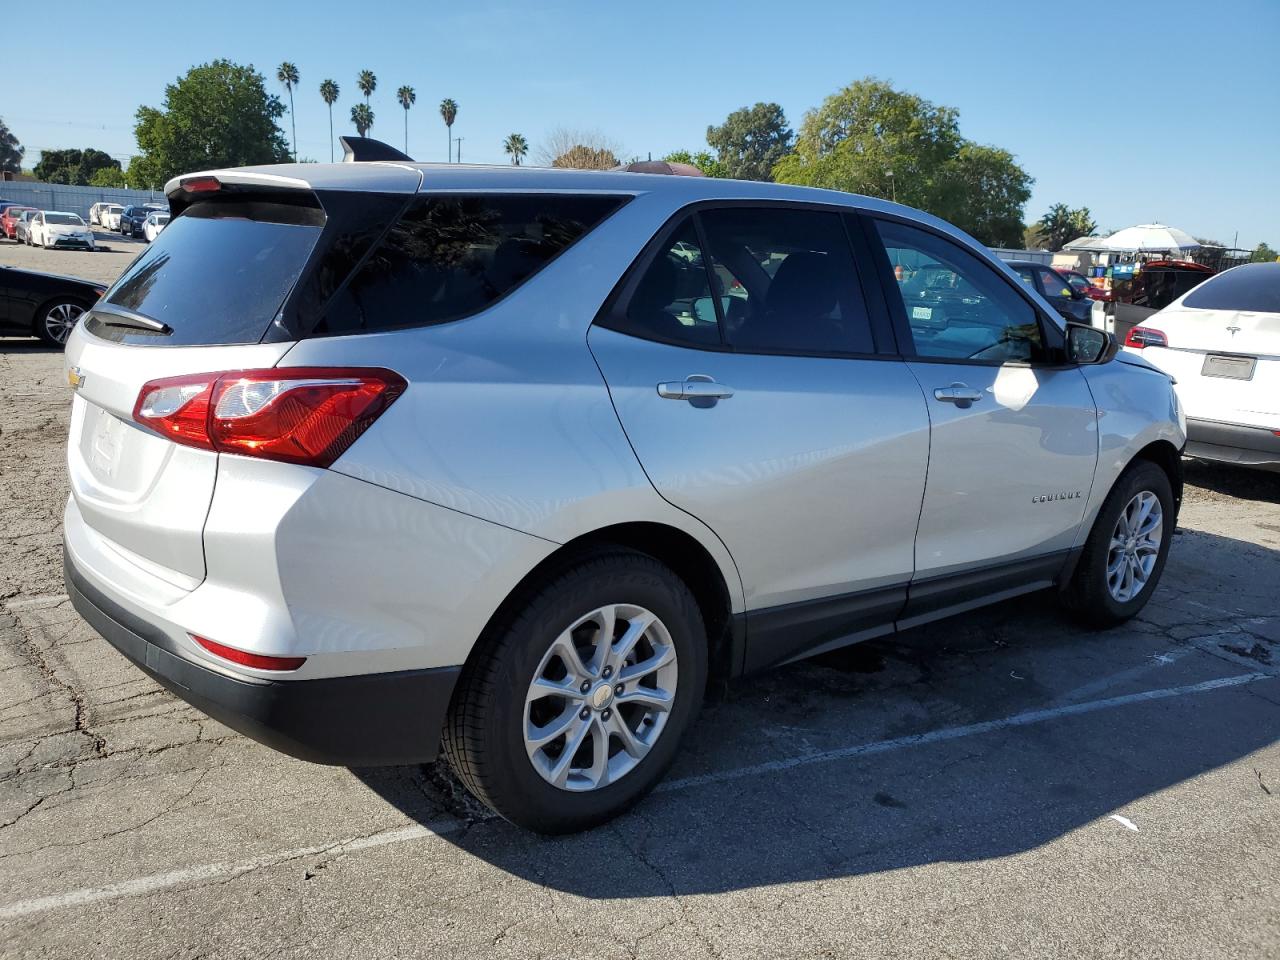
[(1126, 550), (56, 321), (573, 711)]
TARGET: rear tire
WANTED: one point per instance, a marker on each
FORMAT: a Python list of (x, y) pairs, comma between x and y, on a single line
[(56, 320), (1114, 580), (492, 734)]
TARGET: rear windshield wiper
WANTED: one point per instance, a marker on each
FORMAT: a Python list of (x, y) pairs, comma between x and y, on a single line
[(112, 316)]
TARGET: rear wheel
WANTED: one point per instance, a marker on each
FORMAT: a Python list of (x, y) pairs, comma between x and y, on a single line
[(575, 709), (56, 320), (1126, 550)]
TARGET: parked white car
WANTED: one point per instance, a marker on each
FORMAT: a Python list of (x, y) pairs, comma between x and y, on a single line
[(57, 228), (1221, 342), (152, 226), (110, 217), (96, 211)]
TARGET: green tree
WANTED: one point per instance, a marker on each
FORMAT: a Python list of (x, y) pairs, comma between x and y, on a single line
[(287, 74), (407, 99), (362, 117), (516, 146), (449, 113), (75, 167), (582, 157), (1061, 224), (872, 139), (218, 115), (11, 151), (751, 141), (1263, 254), (703, 160), (367, 83), (329, 94), (109, 177)]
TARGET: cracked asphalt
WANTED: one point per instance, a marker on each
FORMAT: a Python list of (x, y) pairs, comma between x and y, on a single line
[(1002, 784)]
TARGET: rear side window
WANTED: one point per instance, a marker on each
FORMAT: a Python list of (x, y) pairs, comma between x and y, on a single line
[(1254, 287), (218, 274), (450, 257)]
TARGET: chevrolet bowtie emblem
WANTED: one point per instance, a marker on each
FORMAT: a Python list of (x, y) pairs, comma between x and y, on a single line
[(76, 378)]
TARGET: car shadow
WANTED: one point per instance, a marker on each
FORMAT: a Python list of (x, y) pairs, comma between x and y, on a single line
[(902, 752), (26, 345), (1239, 482)]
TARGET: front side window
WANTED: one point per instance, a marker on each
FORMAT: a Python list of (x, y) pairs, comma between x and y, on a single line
[(957, 307), (451, 256), (786, 281)]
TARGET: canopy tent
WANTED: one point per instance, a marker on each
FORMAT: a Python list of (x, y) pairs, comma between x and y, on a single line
[(1087, 245), (1150, 238)]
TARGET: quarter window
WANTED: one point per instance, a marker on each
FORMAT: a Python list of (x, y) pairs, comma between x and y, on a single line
[(672, 300), (1054, 284), (957, 307)]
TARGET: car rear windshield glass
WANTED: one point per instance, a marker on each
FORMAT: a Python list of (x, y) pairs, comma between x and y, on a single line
[(451, 256), (1254, 287), (219, 273)]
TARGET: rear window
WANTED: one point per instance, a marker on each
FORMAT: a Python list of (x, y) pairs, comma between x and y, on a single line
[(451, 256), (1253, 287), (218, 274)]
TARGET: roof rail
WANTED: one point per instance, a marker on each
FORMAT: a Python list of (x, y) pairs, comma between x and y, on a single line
[(366, 149)]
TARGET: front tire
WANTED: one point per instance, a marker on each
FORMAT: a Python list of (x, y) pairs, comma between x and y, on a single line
[(56, 320), (573, 707), (1126, 550)]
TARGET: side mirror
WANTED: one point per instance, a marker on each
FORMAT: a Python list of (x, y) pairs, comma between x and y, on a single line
[(1089, 345)]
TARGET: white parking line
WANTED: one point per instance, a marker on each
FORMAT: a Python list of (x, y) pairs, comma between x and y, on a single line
[(143, 886)]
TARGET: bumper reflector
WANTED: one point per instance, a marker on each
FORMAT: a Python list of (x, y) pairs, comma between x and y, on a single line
[(258, 661)]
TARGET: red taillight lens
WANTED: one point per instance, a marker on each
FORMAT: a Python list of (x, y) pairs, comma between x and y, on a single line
[(1145, 337), (201, 185), (258, 661), (306, 415)]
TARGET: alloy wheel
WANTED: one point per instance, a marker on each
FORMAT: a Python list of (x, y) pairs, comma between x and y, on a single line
[(1135, 546), (600, 698), (60, 320)]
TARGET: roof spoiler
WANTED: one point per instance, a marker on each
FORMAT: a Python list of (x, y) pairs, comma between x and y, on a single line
[(366, 149)]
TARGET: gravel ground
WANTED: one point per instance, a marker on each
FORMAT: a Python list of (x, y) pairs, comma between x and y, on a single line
[(1002, 784), (114, 253)]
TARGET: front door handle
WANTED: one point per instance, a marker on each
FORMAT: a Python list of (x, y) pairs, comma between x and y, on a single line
[(960, 394), (695, 388)]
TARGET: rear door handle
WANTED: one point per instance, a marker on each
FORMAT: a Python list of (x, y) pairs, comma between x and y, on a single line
[(695, 388), (960, 394)]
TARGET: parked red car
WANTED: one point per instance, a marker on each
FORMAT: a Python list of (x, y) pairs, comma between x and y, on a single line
[(9, 221)]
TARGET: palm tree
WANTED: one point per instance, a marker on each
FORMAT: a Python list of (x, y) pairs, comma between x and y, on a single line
[(362, 117), (407, 99), (329, 93), (287, 74), (367, 83), (449, 113), (516, 146)]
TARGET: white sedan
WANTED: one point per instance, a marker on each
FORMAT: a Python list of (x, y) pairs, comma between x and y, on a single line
[(1221, 342), (56, 228), (110, 217), (152, 226)]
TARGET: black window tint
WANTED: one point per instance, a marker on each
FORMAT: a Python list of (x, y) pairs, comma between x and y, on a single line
[(787, 281), (1254, 287), (218, 274), (1054, 285), (957, 306), (672, 300), (449, 257)]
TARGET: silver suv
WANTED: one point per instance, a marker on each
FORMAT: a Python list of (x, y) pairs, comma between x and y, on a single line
[(371, 460)]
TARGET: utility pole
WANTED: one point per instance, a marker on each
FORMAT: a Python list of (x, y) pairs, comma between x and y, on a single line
[(458, 141)]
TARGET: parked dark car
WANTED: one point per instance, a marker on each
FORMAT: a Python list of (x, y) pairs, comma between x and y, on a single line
[(43, 304), (1073, 304), (134, 217)]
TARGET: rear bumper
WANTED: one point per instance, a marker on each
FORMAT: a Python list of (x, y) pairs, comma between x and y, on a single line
[(1231, 443), (366, 720)]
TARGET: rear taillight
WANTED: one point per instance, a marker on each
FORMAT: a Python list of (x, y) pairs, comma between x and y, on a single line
[(306, 415), (258, 661), (1145, 337)]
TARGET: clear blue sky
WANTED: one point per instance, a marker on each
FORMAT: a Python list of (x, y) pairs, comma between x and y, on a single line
[(1153, 111)]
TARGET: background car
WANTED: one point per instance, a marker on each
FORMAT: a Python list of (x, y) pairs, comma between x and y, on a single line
[(154, 223), (58, 228), (133, 217), (22, 227), (9, 221), (95, 212), (1073, 304), (42, 304), (1221, 343), (110, 217)]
